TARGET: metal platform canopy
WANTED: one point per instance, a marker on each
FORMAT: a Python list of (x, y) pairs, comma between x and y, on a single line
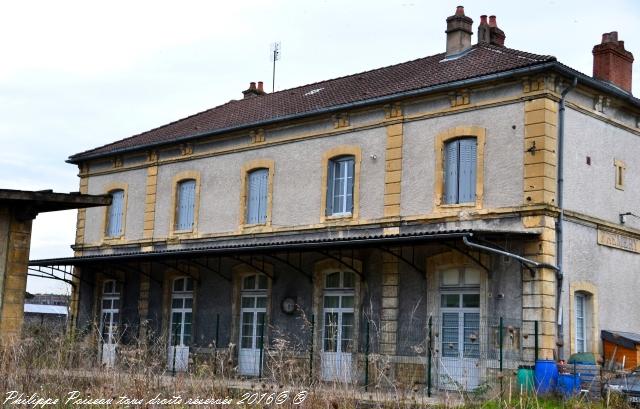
[(18, 208)]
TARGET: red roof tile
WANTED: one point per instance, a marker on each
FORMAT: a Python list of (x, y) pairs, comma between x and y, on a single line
[(480, 60)]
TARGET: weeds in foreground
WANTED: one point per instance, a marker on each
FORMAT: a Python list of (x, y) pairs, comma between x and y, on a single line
[(50, 365)]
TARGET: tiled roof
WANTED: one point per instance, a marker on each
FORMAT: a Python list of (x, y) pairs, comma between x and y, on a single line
[(479, 60)]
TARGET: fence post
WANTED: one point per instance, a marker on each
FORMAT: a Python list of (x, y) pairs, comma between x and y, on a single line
[(501, 335), (366, 361), (175, 350), (217, 328), (535, 334), (261, 347), (429, 355), (313, 325)]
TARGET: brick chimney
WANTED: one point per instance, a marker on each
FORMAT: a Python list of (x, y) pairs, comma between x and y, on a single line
[(483, 30), (458, 32), (496, 36), (253, 91), (611, 62)]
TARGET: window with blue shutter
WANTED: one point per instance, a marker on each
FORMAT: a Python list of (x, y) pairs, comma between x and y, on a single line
[(115, 214), (340, 176), (257, 185), (185, 204), (460, 158)]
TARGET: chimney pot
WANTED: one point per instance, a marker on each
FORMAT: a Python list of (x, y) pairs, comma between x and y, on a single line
[(483, 30), (496, 36), (612, 63), (253, 91), (458, 32)]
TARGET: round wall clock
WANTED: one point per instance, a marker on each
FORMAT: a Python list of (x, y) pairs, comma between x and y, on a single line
[(288, 305)]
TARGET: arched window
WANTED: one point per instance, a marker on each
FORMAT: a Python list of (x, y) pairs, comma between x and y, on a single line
[(340, 180), (185, 204), (257, 196), (460, 157), (115, 214)]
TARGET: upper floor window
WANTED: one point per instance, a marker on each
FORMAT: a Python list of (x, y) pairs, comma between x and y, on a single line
[(185, 205), (340, 178), (257, 196), (115, 214), (460, 156)]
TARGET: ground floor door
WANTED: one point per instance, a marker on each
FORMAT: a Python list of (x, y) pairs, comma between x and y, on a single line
[(337, 337), (109, 319), (252, 316), (180, 325), (460, 342)]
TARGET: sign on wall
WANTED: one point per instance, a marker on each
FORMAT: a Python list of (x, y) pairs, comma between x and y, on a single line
[(618, 241)]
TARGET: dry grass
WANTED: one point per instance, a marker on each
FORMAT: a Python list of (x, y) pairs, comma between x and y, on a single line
[(53, 365)]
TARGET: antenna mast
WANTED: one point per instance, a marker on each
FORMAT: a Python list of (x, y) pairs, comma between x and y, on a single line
[(275, 56)]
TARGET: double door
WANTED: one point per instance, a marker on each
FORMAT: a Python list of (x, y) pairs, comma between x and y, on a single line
[(461, 341), (337, 336)]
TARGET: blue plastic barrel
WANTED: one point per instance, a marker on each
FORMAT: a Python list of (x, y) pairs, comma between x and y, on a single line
[(568, 385), (546, 375)]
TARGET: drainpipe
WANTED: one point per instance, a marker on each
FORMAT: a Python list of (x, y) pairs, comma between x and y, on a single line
[(559, 226), (526, 261)]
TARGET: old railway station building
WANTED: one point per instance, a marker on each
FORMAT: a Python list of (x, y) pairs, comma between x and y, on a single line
[(361, 214)]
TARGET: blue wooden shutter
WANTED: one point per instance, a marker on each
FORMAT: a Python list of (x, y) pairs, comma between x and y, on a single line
[(252, 198), (451, 172), (263, 197), (467, 171), (186, 205), (257, 196), (330, 187), (349, 164), (116, 211)]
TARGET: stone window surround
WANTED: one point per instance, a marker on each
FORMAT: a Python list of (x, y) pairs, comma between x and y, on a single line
[(177, 178), (239, 272), (320, 269), (592, 333), (247, 168), (105, 219), (440, 141), (343, 150)]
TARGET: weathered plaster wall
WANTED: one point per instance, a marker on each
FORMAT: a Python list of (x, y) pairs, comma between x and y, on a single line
[(613, 272), (135, 197), (591, 188), (503, 156), (296, 199)]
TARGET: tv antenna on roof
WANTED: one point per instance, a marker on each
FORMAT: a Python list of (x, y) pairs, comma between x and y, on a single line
[(276, 49)]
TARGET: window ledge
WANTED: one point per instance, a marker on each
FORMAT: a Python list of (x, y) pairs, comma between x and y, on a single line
[(453, 206), (109, 240), (256, 228)]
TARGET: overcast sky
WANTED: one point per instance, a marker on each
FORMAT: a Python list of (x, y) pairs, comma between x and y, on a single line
[(77, 74)]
